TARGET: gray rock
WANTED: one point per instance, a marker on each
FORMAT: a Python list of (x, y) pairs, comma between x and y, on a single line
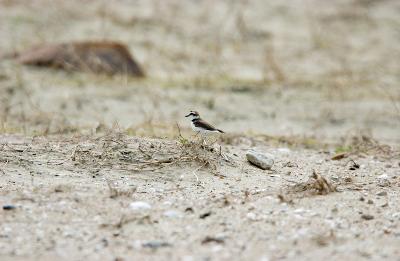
[(259, 159), (381, 193)]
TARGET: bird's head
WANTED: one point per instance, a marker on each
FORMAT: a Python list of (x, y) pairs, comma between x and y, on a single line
[(193, 115)]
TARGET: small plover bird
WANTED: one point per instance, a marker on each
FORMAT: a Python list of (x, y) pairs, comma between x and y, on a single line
[(200, 126)]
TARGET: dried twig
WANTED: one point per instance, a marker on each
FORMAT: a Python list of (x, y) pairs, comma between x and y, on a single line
[(316, 184), (322, 186)]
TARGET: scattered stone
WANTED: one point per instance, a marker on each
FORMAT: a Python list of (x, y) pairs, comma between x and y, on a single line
[(204, 215), (300, 211), (9, 207), (335, 178), (61, 188), (139, 205), (259, 159), (367, 217), (370, 202), (383, 180), (396, 215), (251, 216), (381, 193), (95, 57), (156, 244), (209, 239), (173, 214), (189, 209)]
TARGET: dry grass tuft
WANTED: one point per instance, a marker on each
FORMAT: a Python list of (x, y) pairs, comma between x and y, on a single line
[(118, 151), (116, 192), (363, 145), (316, 185)]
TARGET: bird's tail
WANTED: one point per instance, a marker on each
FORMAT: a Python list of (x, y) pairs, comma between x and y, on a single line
[(220, 131)]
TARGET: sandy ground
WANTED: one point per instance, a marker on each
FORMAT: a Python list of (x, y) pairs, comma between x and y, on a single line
[(73, 199), (302, 80)]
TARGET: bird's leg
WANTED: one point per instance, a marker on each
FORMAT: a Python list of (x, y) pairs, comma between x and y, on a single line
[(205, 145)]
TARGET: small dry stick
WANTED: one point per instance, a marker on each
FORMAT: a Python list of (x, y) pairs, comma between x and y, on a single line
[(179, 132), (143, 152), (199, 168)]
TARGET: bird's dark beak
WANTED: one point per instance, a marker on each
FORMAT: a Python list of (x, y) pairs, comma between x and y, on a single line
[(187, 115)]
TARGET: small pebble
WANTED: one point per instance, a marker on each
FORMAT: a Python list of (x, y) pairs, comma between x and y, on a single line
[(156, 244), (335, 178), (204, 215), (9, 207), (381, 193), (367, 216), (139, 205), (172, 214), (189, 209), (396, 215), (383, 180), (251, 216), (209, 239)]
